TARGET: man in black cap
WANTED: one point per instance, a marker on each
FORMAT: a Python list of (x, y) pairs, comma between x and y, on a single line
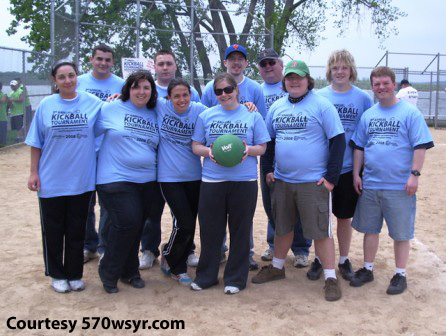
[(270, 68), (407, 92)]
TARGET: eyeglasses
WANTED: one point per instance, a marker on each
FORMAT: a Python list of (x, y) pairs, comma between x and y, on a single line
[(264, 63), (227, 90)]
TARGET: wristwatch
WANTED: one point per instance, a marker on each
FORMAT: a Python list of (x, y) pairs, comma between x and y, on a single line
[(415, 172)]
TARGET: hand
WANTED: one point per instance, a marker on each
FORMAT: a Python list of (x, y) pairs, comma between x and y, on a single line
[(329, 186), (113, 97), (357, 184), (34, 182), (245, 152), (411, 186), (269, 178), (251, 106), (210, 155)]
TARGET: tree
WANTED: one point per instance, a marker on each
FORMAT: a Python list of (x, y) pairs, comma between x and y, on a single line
[(166, 24)]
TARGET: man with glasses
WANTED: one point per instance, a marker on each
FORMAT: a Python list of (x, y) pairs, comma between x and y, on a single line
[(270, 68), (249, 91)]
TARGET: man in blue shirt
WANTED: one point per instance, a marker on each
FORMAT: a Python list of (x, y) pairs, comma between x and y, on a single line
[(390, 144), (102, 83), (270, 68)]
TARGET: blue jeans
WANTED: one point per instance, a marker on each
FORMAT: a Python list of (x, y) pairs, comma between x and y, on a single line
[(301, 245)]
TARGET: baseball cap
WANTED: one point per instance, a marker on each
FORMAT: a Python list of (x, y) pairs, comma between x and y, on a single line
[(235, 47), (13, 82), (269, 53), (404, 81), (297, 67)]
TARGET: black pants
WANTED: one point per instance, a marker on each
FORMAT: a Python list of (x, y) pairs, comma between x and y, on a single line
[(63, 229), (128, 205), (182, 198), (233, 203)]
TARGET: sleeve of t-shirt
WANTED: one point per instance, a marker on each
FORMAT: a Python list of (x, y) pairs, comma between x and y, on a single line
[(35, 136), (331, 123), (269, 122), (260, 101), (418, 131), (195, 96), (199, 131), (261, 135), (99, 126), (401, 93), (206, 98), (359, 138)]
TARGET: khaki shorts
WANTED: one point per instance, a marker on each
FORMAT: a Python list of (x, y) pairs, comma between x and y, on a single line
[(307, 200)]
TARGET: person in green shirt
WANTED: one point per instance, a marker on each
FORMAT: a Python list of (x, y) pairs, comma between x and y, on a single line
[(3, 116), (17, 102), (27, 104)]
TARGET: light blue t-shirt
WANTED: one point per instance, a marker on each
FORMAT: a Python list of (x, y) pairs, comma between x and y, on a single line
[(63, 130), (101, 88), (162, 93), (302, 133), (176, 162), (248, 126), (350, 105), (388, 136), (249, 91), (272, 93), (131, 137)]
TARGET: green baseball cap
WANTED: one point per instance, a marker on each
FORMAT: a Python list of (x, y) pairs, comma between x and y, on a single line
[(297, 67)]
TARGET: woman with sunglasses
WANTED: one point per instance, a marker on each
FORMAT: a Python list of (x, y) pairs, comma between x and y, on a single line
[(63, 168), (228, 195), (179, 174), (126, 176)]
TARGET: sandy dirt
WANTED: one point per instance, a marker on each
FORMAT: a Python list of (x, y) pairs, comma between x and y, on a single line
[(294, 306)]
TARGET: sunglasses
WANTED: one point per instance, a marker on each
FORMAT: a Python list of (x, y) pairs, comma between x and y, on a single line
[(264, 63), (227, 90)]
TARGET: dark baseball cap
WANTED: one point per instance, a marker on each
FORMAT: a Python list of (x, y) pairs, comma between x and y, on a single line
[(404, 81), (269, 53), (235, 47)]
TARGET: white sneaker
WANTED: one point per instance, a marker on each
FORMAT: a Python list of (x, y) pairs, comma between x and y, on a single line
[(192, 260), (195, 287), (60, 285), (231, 290), (76, 285), (182, 278), (146, 260), (268, 254), (300, 261)]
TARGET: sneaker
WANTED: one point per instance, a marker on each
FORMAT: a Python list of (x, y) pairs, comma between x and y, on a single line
[(315, 271), (332, 290), (360, 277), (89, 255), (231, 290), (346, 270), (195, 287), (223, 258), (110, 289), (300, 261), (253, 266), (60, 285), (268, 273), (146, 260), (134, 282), (165, 268), (398, 284), (268, 254), (192, 260), (182, 278), (76, 285)]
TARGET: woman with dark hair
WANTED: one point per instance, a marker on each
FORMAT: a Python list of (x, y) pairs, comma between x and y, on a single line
[(63, 168), (179, 174), (228, 195), (126, 176)]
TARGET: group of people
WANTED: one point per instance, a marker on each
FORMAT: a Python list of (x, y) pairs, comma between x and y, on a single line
[(330, 151)]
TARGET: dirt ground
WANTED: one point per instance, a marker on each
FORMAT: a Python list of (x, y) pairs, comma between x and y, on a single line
[(294, 306)]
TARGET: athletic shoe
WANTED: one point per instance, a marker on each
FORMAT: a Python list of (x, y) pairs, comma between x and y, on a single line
[(134, 282), (315, 271), (346, 270), (398, 284), (165, 266), (332, 290), (146, 260), (361, 277), (253, 266), (60, 285), (300, 261), (268, 273), (182, 278), (231, 290), (268, 254), (89, 255), (76, 285), (195, 287), (192, 260), (110, 289)]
